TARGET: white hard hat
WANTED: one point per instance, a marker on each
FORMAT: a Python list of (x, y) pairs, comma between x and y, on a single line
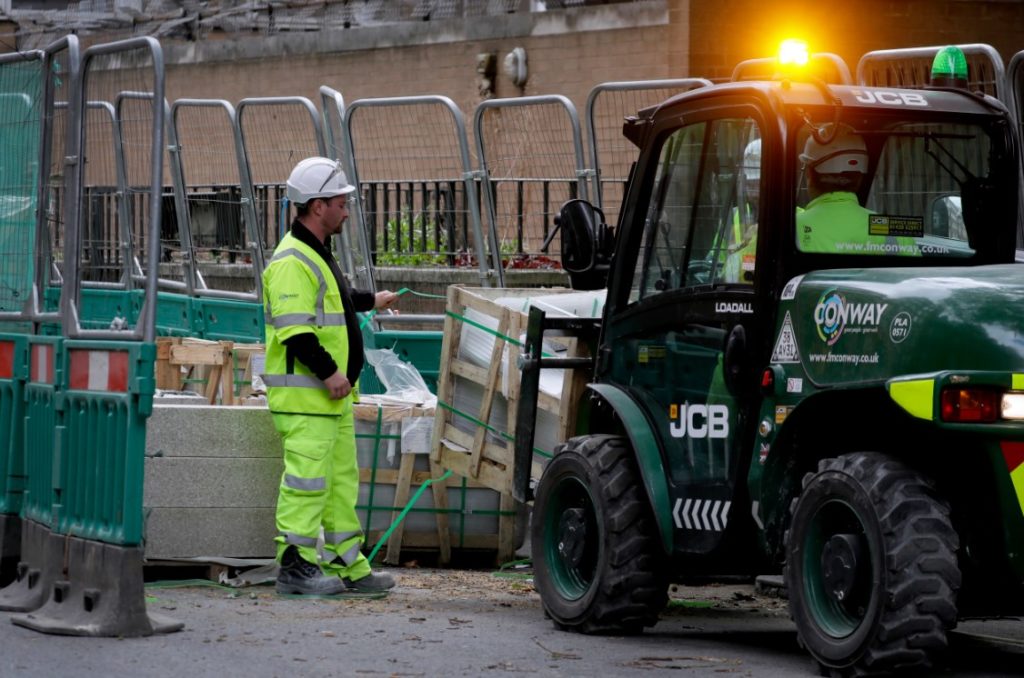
[(317, 178), (752, 161), (845, 153)]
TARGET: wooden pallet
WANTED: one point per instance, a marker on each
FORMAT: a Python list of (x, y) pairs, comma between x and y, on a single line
[(477, 454), (215, 362)]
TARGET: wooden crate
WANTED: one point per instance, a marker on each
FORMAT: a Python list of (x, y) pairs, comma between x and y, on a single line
[(225, 367), (476, 439), (493, 515)]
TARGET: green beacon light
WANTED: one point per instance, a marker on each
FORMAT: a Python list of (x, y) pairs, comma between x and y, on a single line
[(949, 68)]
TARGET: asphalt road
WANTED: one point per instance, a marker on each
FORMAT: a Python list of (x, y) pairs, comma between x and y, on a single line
[(454, 623)]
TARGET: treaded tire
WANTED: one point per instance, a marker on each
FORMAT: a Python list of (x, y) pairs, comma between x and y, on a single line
[(902, 602), (598, 562)]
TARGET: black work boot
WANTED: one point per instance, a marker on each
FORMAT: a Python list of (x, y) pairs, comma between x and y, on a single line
[(299, 576), (375, 582)]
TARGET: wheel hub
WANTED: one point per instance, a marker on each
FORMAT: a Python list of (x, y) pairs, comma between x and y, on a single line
[(840, 559), (572, 536)]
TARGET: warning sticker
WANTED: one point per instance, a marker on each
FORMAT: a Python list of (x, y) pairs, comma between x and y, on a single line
[(786, 350), (884, 225)]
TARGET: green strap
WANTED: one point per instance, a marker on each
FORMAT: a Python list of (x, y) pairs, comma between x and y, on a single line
[(405, 290), (373, 468), (401, 516)]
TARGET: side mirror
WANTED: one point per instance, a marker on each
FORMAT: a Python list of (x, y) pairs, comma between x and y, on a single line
[(586, 244), (579, 223)]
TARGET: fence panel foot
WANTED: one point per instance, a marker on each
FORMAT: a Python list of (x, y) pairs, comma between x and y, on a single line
[(35, 573), (10, 548), (103, 596)]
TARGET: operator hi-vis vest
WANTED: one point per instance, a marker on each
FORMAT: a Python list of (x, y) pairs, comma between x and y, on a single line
[(301, 295), (837, 224)]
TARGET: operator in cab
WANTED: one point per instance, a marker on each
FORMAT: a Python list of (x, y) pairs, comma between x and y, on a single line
[(834, 221)]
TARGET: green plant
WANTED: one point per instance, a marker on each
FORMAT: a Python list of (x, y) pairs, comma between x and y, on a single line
[(422, 250)]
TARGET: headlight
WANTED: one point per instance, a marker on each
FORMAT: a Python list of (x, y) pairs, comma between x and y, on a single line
[(1013, 406)]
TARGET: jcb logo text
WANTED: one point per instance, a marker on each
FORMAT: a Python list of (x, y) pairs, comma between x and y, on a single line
[(698, 421), (890, 98)]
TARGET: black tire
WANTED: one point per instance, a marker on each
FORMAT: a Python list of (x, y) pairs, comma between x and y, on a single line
[(598, 561), (871, 567)]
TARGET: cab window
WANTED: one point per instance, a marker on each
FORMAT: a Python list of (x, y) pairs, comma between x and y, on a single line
[(701, 224), (877, 188)]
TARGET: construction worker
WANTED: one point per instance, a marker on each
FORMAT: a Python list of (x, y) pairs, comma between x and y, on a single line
[(742, 246), (834, 220), (314, 356)]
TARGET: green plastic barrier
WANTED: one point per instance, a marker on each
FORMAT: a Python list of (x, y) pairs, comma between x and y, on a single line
[(108, 395), (173, 314), (227, 320), (41, 429), (422, 349), (98, 306), (13, 373)]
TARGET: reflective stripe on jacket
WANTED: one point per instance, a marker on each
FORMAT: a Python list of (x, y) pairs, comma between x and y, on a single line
[(301, 295)]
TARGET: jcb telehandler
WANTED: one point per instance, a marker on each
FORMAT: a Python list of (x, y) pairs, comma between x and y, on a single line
[(811, 358)]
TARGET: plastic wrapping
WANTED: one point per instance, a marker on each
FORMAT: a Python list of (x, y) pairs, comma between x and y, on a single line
[(402, 382)]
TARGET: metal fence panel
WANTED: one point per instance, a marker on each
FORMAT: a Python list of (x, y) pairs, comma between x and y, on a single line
[(611, 154), (61, 66), (276, 133), (911, 68), (127, 77), (220, 220), (219, 207), (419, 196), (531, 152), (354, 254), (21, 132)]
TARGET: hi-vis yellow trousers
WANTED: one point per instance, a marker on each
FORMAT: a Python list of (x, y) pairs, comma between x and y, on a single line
[(319, 486)]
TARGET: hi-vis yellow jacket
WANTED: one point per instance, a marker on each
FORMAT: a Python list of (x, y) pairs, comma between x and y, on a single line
[(301, 295)]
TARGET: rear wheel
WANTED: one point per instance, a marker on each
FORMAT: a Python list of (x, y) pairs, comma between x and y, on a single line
[(599, 565), (871, 566)]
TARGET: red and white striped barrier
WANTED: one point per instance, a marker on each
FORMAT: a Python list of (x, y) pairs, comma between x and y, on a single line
[(41, 364), (99, 370)]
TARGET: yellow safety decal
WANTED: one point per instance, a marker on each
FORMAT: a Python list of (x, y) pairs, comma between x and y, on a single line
[(1018, 382), (1017, 476), (916, 396), (1013, 453)]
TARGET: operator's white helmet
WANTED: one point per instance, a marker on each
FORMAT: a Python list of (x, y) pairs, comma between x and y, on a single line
[(317, 178), (845, 153), (752, 161)]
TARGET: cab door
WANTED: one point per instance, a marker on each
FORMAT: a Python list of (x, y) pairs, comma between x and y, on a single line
[(683, 310)]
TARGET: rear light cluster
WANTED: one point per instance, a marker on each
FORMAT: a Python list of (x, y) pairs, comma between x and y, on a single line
[(980, 405)]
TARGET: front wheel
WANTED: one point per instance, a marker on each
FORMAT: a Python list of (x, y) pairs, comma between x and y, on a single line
[(871, 566), (598, 563)]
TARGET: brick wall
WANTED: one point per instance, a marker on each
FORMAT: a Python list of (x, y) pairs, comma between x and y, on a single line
[(564, 64)]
